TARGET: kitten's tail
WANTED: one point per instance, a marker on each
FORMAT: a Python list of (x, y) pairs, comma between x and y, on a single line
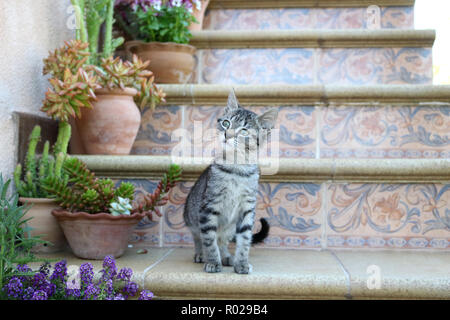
[(263, 233)]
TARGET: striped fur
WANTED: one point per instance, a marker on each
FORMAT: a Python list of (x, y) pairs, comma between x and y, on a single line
[(221, 205)]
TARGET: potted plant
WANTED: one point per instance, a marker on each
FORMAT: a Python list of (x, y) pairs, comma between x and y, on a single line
[(198, 9), (28, 183), (159, 31), (97, 218), (110, 124)]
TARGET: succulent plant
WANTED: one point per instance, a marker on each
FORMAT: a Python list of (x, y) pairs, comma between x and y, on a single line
[(159, 197), (84, 192), (72, 56), (115, 73), (37, 169), (121, 207)]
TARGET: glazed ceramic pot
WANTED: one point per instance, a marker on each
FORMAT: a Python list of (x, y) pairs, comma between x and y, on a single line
[(199, 15), (170, 62), (111, 126), (43, 224), (94, 236)]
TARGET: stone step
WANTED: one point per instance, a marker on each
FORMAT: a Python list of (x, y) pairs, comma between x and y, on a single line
[(319, 204), (287, 274), (385, 121), (307, 14), (358, 57)]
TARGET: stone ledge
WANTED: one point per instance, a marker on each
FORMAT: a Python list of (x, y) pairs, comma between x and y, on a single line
[(290, 170), (351, 38), (288, 274), (261, 4), (322, 95)]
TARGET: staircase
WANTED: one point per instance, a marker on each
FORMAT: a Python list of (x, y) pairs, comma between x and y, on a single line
[(364, 173)]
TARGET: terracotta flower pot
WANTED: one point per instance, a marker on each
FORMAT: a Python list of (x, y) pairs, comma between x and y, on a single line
[(170, 62), (111, 126), (94, 236), (199, 15), (44, 224)]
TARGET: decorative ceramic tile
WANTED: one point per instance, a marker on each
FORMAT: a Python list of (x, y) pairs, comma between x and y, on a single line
[(297, 129), (147, 232), (419, 131), (306, 18), (155, 134), (399, 216), (258, 66), (292, 210), (375, 66), (397, 18), (258, 19)]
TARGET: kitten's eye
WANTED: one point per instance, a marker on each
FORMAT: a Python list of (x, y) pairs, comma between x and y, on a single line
[(243, 132), (226, 124)]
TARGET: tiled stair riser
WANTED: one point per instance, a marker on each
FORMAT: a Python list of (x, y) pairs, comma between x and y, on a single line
[(334, 131), (325, 215), (353, 66), (310, 18)]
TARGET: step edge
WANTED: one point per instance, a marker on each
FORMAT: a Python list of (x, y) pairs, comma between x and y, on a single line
[(291, 170), (266, 4), (312, 38), (201, 94)]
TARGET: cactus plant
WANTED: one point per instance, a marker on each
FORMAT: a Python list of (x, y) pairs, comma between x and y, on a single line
[(37, 169), (92, 15)]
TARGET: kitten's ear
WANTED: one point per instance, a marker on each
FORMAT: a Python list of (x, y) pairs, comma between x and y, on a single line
[(267, 119), (233, 103)]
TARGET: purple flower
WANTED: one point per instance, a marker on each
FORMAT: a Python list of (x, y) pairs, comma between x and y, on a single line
[(73, 293), (14, 288), (86, 274), (40, 283), (125, 274), (109, 268), (60, 271), (119, 296), (39, 295), (45, 269), (146, 295), (28, 293), (91, 292), (130, 289)]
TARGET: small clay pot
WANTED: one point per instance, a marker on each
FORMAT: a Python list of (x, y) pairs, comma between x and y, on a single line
[(43, 224), (111, 126), (199, 15), (170, 62), (94, 236)]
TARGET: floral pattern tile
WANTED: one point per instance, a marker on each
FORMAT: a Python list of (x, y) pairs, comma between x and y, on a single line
[(258, 66), (155, 134), (346, 66), (375, 66), (405, 216), (292, 210), (296, 124), (306, 18), (417, 131)]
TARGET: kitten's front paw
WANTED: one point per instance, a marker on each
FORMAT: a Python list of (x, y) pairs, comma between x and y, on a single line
[(243, 268), (198, 258), (212, 267), (227, 261)]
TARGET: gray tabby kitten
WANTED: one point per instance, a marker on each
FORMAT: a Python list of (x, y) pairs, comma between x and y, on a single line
[(221, 205)]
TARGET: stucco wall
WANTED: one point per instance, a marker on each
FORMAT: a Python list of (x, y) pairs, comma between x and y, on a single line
[(28, 30)]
